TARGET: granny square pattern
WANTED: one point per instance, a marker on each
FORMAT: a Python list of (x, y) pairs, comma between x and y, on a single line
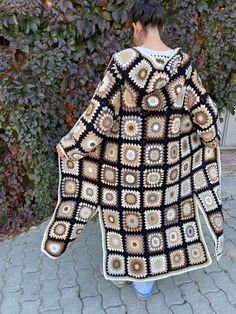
[(145, 157)]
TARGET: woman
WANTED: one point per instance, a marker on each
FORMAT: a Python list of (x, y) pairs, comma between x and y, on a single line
[(145, 156)]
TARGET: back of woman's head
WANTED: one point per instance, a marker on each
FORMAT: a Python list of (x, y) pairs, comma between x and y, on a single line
[(148, 13)]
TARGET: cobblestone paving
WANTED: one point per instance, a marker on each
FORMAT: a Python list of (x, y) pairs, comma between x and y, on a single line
[(31, 282)]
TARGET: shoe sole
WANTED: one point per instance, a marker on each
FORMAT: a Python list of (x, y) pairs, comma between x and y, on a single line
[(142, 298)]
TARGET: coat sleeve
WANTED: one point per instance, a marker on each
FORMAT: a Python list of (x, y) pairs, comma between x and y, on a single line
[(75, 207), (203, 110), (99, 117)]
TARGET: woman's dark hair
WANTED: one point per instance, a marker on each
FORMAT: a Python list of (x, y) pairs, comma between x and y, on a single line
[(148, 13)]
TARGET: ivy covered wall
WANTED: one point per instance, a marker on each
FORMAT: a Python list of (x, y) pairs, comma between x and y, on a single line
[(52, 56)]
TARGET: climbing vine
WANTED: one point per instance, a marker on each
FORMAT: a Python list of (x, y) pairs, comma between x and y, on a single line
[(52, 55)]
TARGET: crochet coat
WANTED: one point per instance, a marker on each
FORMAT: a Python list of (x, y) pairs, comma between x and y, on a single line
[(145, 157)]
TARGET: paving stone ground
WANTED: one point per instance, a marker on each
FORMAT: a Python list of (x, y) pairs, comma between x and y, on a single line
[(31, 282)]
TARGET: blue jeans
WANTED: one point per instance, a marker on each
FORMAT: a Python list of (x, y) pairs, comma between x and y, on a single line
[(143, 288)]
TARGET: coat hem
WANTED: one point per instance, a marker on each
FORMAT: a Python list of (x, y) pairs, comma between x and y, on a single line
[(160, 276)]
